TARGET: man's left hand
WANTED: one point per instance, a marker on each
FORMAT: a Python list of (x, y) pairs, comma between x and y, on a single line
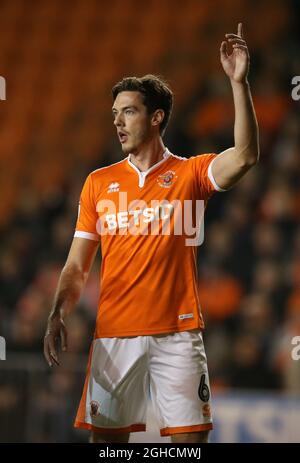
[(236, 64)]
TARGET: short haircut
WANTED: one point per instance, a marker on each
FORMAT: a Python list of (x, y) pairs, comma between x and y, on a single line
[(155, 91)]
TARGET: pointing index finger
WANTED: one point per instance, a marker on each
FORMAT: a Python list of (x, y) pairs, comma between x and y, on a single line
[(240, 30)]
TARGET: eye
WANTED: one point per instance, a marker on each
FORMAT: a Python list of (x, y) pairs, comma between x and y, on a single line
[(129, 111)]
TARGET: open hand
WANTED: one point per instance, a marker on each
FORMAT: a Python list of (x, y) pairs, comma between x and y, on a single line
[(235, 65)]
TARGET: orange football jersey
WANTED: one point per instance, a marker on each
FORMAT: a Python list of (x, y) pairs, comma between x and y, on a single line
[(147, 224)]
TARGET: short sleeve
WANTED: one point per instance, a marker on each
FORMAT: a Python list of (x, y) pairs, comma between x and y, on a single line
[(202, 165), (87, 213)]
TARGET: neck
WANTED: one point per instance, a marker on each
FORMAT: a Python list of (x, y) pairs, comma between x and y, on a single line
[(148, 155)]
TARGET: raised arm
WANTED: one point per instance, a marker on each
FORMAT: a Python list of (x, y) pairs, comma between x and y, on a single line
[(72, 280), (230, 165)]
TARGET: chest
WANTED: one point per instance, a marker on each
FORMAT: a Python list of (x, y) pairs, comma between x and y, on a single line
[(168, 184)]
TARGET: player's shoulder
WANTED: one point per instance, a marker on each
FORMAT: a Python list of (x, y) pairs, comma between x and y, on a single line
[(202, 156), (106, 171), (196, 158)]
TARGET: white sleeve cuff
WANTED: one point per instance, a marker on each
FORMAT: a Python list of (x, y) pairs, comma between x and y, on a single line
[(86, 235), (211, 178)]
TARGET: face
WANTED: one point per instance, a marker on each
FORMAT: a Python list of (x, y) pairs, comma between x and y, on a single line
[(133, 123)]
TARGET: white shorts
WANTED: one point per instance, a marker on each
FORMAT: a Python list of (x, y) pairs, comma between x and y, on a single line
[(122, 372)]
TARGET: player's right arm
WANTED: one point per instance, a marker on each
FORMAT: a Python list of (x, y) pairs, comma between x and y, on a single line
[(71, 282)]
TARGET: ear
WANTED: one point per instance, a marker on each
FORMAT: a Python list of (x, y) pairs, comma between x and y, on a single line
[(157, 117)]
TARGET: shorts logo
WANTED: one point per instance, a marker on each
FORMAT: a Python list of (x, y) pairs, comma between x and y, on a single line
[(166, 180), (203, 390), (113, 187), (94, 411), (206, 411)]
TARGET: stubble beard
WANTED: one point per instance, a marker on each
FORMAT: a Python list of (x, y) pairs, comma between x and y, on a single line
[(127, 150), (134, 146)]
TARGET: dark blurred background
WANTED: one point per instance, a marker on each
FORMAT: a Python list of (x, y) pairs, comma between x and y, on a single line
[(60, 61)]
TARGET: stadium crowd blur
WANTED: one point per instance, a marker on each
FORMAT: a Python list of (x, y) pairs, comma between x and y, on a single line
[(56, 128)]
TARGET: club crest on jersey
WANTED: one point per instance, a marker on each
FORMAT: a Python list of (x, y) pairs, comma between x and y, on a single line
[(166, 180), (113, 187)]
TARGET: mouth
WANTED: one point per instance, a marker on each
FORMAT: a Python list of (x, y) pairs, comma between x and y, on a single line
[(123, 137)]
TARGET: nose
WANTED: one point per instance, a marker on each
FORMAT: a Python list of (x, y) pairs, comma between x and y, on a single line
[(118, 121)]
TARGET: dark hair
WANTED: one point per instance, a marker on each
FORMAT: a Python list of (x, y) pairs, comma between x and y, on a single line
[(155, 91)]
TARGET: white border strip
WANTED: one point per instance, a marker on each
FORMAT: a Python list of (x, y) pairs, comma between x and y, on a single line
[(86, 235), (211, 177)]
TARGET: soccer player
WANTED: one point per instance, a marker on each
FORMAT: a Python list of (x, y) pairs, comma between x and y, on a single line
[(143, 210)]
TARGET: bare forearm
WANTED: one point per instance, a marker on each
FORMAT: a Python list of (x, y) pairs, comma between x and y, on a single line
[(245, 126), (68, 291)]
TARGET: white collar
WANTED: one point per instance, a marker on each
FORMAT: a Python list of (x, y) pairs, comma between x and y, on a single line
[(166, 154), (143, 175)]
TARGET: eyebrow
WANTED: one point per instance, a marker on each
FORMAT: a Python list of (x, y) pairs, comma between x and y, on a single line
[(114, 110)]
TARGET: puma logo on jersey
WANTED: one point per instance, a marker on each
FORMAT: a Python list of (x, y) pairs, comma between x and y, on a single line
[(113, 187)]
